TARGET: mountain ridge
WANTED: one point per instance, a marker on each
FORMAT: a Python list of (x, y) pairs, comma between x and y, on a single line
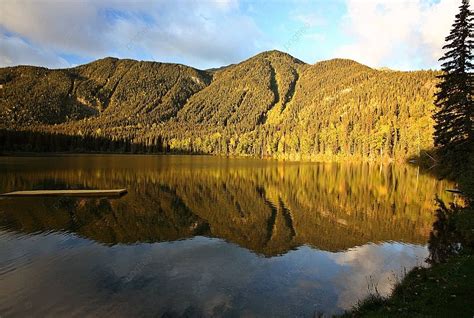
[(271, 104)]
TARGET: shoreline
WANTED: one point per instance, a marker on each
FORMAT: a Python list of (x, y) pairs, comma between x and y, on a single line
[(446, 287), (291, 159)]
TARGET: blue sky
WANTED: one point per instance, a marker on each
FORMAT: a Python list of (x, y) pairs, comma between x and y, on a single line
[(400, 34)]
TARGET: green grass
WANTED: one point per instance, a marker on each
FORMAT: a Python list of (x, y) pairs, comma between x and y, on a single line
[(444, 290)]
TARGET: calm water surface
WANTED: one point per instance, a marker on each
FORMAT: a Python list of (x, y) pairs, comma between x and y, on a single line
[(206, 236)]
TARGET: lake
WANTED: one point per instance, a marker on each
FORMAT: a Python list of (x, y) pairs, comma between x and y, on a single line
[(208, 236)]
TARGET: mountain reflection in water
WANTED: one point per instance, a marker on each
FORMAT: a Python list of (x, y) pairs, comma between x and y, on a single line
[(262, 237)]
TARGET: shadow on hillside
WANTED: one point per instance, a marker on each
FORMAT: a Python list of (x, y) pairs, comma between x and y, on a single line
[(44, 142)]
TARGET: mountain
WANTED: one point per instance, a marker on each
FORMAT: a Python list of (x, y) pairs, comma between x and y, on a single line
[(271, 105), (242, 95), (111, 89)]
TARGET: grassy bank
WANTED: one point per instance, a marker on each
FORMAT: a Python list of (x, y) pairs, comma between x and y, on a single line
[(447, 287), (443, 290)]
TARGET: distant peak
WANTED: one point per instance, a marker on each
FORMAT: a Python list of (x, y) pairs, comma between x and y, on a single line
[(341, 62), (275, 54), (385, 69), (108, 59)]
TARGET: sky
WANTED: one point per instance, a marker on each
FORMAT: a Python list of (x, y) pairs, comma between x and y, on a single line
[(398, 34)]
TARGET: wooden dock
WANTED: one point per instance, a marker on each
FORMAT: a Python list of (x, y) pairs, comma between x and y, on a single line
[(67, 193)]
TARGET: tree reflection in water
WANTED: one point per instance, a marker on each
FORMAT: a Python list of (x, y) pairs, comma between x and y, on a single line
[(267, 207), (211, 236), (447, 238)]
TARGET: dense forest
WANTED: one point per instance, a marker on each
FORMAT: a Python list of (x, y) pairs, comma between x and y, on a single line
[(271, 105)]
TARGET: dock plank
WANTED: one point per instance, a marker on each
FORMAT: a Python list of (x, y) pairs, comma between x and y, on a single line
[(72, 193)]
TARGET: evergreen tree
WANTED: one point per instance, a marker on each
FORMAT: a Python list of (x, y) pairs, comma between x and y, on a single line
[(454, 118)]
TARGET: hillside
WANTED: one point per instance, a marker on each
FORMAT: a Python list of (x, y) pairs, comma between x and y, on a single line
[(110, 89), (242, 95), (271, 105)]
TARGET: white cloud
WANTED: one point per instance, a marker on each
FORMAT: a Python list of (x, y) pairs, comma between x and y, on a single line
[(16, 51), (402, 34), (310, 19), (74, 26), (200, 33), (227, 4), (371, 267), (211, 34)]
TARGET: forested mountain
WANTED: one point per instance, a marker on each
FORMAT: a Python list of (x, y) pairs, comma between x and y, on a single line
[(111, 90), (271, 105)]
